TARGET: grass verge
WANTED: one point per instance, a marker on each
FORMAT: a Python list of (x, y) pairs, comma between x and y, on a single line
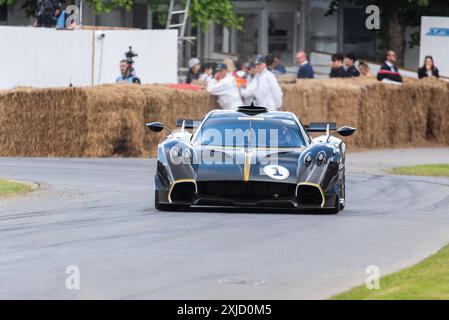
[(428, 280), (9, 188), (435, 170)]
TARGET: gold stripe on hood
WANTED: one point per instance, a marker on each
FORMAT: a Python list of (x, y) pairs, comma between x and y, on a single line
[(247, 167)]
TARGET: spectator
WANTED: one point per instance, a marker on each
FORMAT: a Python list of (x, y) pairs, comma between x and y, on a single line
[(337, 69), (230, 64), (246, 67), (264, 88), (250, 72), (270, 60), (351, 70), (389, 72), (305, 70), (45, 14), (62, 17), (206, 72), (224, 86), (278, 64), (240, 75), (126, 73), (428, 69), (194, 70), (365, 69)]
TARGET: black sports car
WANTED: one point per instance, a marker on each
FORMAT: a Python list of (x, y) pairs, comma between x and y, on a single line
[(251, 158)]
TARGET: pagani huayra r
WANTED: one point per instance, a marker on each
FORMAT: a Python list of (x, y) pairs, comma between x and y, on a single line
[(251, 157)]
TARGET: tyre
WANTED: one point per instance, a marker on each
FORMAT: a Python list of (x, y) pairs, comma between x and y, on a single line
[(343, 194), (337, 208)]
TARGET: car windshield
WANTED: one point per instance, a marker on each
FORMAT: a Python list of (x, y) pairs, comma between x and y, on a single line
[(250, 131)]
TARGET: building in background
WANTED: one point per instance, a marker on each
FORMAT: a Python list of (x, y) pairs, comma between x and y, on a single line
[(270, 26)]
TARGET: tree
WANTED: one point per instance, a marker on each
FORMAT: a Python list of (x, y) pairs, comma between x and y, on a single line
[(397, 16), (202, 12)]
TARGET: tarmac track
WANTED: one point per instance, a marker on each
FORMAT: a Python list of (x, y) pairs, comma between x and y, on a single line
[(98, 214)]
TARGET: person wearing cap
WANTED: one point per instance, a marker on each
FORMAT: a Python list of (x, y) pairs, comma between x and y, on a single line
[(223, 86), (264, 88), (351, 70), (194, 70)]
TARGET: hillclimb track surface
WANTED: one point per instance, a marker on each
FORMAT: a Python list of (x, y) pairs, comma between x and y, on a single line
[(98, 214)]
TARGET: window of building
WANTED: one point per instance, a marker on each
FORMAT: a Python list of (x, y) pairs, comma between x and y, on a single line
[(140, 16), (321, 31), (3, 13), (247, 40), (281, 30), (357, 38)]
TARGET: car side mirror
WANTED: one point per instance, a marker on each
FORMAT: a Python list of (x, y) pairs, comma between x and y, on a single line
[(346, 131), (156, 126)]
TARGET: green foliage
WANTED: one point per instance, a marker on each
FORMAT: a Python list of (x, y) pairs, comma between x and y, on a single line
[(107, 5), (202, 12), (218, 11)]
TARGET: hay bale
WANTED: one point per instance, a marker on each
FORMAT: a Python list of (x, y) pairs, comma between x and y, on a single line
[(108, 120), (42, 122), (286, 78)]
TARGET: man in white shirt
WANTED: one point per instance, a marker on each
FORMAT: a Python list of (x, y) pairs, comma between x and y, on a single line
[(224, 86), (264, 87)]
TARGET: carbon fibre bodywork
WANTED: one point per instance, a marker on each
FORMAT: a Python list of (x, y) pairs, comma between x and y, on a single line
[(308, 175)]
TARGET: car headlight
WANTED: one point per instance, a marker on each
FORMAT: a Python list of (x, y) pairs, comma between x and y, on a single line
[(308, 160), (186, 156), (321, 157), (175, 156)]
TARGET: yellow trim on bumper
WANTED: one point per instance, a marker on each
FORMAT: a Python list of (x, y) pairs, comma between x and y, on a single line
[(172, 185), (323, 202)]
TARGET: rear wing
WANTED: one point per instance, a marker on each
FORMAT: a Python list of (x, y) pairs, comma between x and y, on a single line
[(321, 127), (187, 123)]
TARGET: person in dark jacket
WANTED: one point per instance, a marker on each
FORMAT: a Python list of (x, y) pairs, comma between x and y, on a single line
[(194, 70), (305, 70), (389, 71), (351, 70), (338, 71), (428, 69)]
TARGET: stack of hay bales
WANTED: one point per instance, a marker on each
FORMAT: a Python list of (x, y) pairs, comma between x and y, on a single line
[(98, 121), (109, 120), (386, 115)]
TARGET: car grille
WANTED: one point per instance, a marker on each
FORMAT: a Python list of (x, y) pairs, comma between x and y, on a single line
[(253, 190)]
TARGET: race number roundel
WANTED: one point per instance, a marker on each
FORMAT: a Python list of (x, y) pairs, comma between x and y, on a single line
[(276, 172)]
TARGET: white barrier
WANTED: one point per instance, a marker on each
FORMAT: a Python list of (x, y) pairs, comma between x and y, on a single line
[(41, 57)]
